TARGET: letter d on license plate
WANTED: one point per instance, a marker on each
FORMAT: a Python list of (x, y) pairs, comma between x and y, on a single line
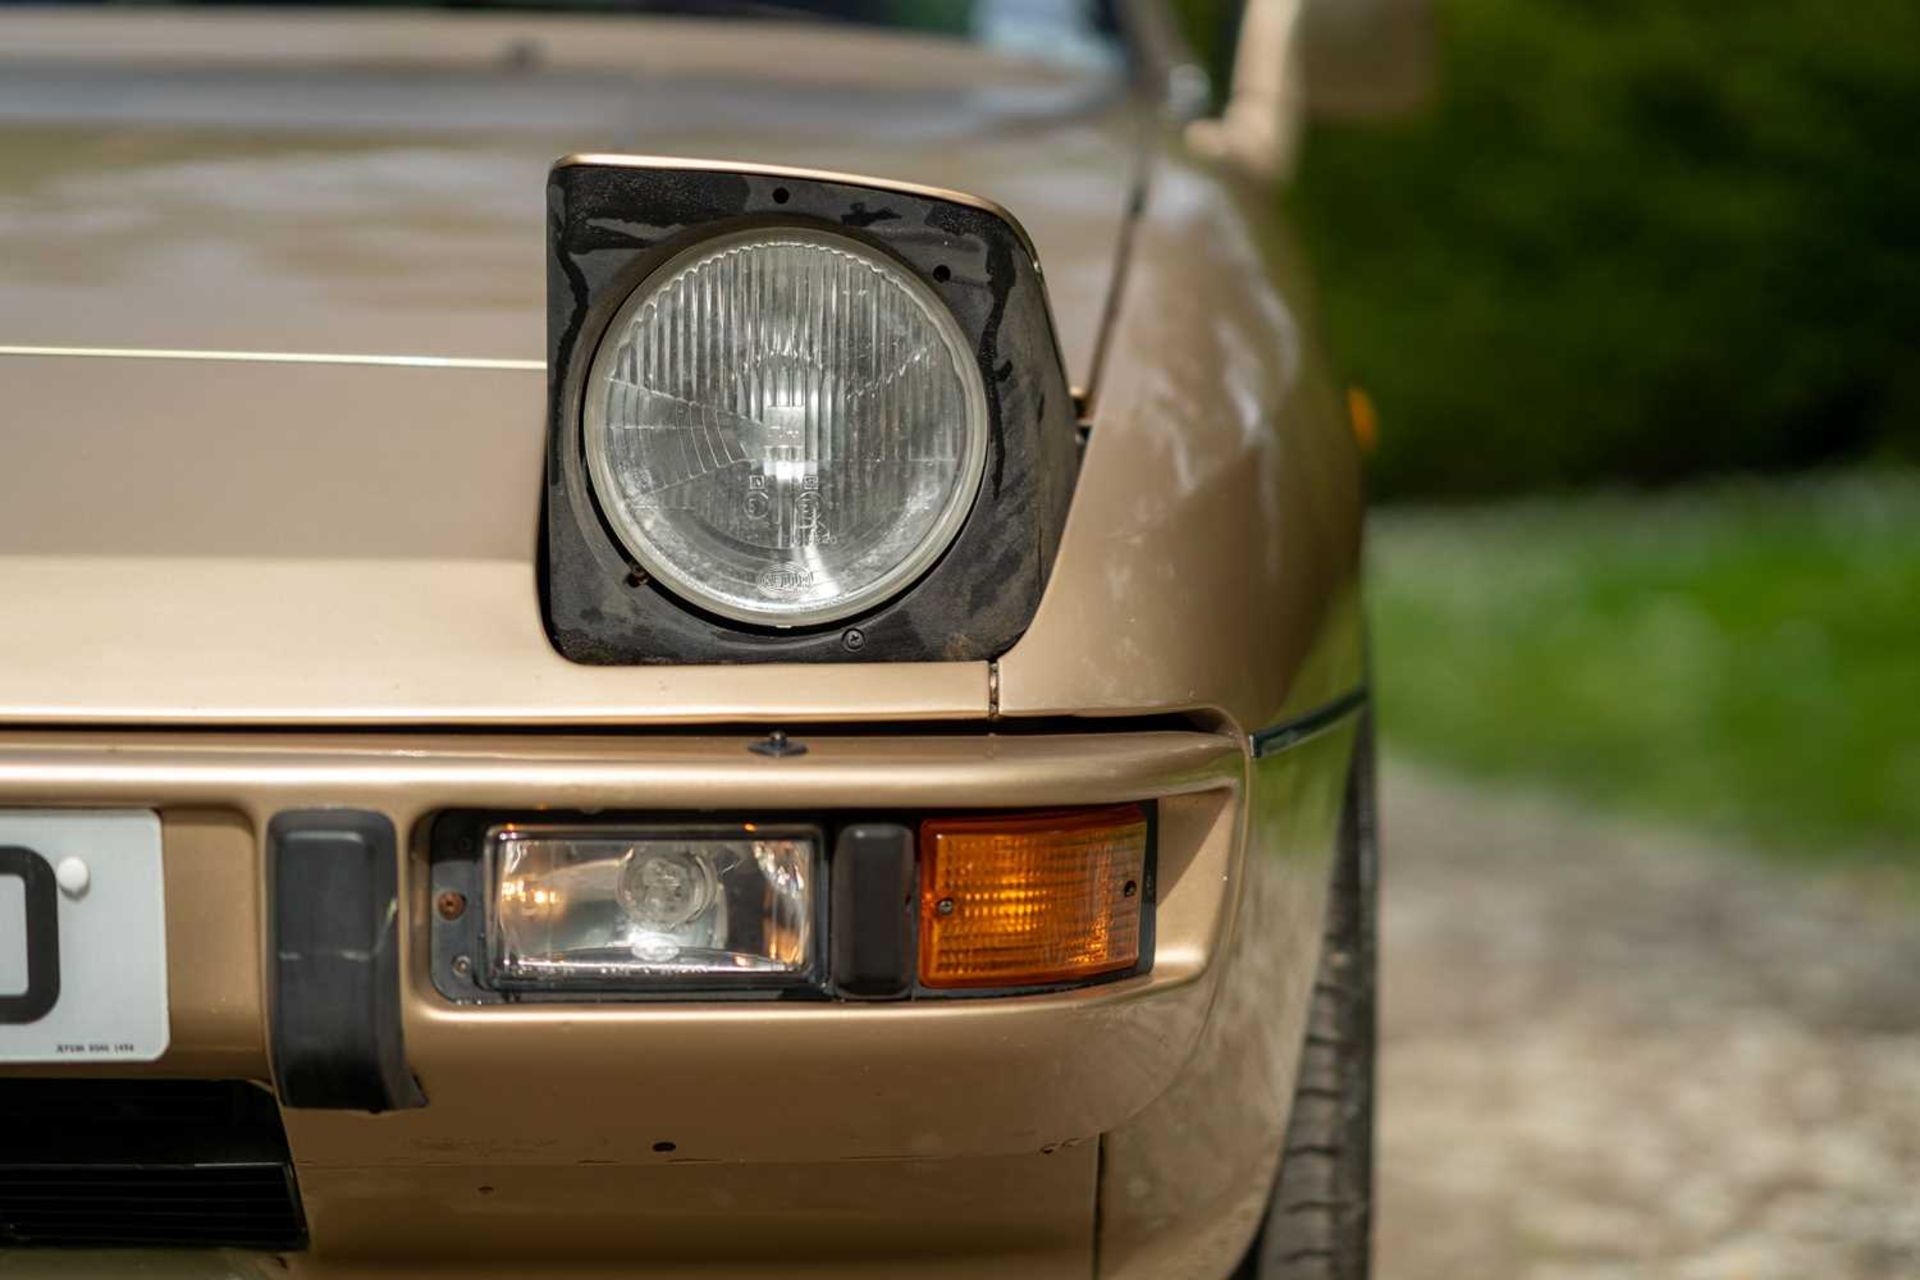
[(83, 943)]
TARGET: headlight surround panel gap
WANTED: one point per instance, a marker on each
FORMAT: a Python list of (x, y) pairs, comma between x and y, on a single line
[(613, 221)]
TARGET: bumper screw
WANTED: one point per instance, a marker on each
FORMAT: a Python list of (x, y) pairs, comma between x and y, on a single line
[(777, 744), (451, 905)]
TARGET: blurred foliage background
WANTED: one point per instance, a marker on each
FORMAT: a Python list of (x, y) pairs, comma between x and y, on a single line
[(1629, 240), (1740, 654), (1637, 295)]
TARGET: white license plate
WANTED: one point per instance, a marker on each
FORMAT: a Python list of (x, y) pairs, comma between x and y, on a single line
[(83, 937)]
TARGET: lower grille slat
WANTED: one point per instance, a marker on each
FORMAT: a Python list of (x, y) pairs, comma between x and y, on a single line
[(157, 1163)]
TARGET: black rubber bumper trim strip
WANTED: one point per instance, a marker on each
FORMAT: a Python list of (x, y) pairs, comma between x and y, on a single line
[(1276, 738), (334, 962), (874, 925)]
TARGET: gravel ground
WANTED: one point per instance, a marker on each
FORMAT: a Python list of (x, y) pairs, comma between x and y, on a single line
[(1611, 1051)]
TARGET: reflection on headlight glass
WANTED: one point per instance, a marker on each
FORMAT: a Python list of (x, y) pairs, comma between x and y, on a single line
[(785, 427), (583, 907)]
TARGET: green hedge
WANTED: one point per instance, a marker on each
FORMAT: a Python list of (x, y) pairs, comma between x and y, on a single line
[(1632, 240)]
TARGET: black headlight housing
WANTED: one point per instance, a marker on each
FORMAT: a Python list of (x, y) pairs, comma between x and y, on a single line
[(613, 220)]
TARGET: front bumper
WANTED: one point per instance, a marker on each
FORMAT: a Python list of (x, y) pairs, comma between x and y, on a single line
[(664, 1134)]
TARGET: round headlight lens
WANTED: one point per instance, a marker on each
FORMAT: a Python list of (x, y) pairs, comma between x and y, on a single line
[(784, 427)]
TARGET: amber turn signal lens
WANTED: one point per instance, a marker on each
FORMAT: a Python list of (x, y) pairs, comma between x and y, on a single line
[(1030, 899)]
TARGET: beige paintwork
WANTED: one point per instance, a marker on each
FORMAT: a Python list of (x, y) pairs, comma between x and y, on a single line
[(988, 1101), (333, 567), (390, 512), (1185, 1181), (271, 582), (374, 183), (1259, 129), (1211, 557), (965, 1129)]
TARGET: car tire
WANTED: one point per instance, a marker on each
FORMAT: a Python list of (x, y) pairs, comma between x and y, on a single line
[(1320, 1218)]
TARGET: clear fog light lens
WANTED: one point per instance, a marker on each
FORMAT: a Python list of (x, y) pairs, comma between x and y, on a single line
[(785, 427), (600, 908)]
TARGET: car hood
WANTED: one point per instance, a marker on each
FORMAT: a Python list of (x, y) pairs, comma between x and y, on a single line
[(272, 329), (374, 183)]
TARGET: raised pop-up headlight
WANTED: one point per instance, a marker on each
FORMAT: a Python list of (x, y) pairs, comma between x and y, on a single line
[(794, 417), (598, 908), (785, 427)]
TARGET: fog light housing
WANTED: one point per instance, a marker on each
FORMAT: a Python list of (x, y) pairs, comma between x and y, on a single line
[(593, 908), (1031, 899)]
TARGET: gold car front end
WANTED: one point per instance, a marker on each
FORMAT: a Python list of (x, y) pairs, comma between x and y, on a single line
[(1196, 653), (647, 1138)]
